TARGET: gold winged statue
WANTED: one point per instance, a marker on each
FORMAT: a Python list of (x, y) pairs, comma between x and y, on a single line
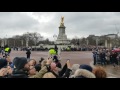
[(62, 20)]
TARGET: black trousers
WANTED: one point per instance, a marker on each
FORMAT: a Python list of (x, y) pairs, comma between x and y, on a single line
[(94, 61)]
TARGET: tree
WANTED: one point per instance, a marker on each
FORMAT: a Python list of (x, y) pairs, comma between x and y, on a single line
[(91, 40), (26, 36), (36, 37), (75, 41), (83, 41)]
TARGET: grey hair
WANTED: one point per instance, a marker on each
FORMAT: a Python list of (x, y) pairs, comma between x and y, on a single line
[(74, 68)]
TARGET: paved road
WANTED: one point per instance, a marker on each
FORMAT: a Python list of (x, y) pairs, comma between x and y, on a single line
[(75, 57)]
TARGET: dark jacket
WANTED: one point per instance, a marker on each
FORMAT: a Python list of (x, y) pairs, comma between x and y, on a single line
[(19, 74), (28, 53), (19, 62), (19, 71), (58, 64)]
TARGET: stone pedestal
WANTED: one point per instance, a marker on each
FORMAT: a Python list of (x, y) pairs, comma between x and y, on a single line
[(62, 37)]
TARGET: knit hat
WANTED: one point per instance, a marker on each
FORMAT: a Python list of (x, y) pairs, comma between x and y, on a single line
[(38, 67), (19, 62), (3, 63), (87, 67)]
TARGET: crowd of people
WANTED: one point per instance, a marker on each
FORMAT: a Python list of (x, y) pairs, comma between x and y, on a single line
[(21, 67), (47, 68), (106, 57)]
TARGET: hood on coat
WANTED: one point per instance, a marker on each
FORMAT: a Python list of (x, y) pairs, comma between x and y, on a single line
[(84, 73), (74, 68)]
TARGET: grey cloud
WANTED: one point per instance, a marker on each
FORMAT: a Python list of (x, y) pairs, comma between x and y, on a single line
[(77, 23), (16, 20)]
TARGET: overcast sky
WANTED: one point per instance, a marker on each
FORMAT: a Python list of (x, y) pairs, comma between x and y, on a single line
[(79, 24)]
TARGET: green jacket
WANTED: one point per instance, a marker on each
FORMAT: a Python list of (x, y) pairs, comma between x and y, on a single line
[(7, 49), (41, 73), (52, 51)]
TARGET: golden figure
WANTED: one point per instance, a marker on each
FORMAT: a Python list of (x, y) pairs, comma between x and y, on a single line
[(62, 20)]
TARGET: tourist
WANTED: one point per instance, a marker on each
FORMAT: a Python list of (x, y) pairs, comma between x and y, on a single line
[(28, 54), (83, 73), (94, 56), (49, 75), (100, 72), (32, 62), (74, 68), (56, 49), (52, 52), (51, 67), (32, 71), (114, 58), (4, 62), (102, 58), (38, 66), (21, 68), (58, 64), (108, 57)]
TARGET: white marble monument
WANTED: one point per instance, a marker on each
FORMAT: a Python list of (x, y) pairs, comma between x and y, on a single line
[(62, 37)]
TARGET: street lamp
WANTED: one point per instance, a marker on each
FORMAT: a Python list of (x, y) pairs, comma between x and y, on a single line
[(55, 38), (96, 42)]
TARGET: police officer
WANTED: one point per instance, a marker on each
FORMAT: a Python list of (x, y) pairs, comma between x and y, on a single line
[(7, 51), (56, 49), (52, 52)]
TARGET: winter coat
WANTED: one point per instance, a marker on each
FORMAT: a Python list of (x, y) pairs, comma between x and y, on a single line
[(28, 53), (19, 72), (41, 72), (82, 73)]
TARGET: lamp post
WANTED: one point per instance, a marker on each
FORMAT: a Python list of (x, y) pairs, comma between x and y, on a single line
[(96, 42), (55, 38), (14, 42)]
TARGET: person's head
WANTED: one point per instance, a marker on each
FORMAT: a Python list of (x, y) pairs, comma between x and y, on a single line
[(21, 63), (3, 63), (87, 67), (55, 59), (32, 70), (100, 72), (83, 73), (38, 67), (74, 68), (32, 62), (49, 75)]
